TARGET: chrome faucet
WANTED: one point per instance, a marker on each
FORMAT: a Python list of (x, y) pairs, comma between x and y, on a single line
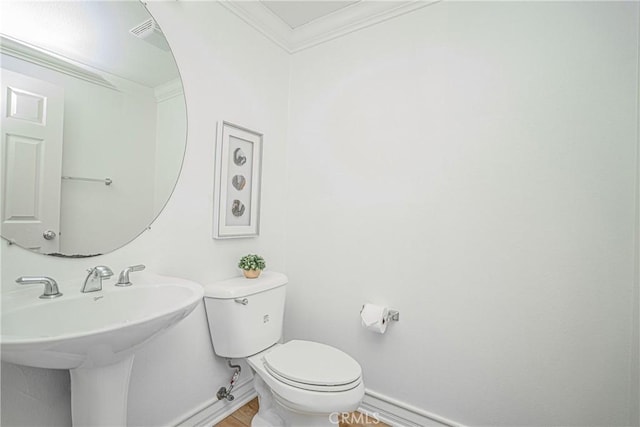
[(93, 282), (123, 279), (50, 285)]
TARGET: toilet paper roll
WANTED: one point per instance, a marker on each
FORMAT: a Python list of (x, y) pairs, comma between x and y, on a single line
[(374, 318)]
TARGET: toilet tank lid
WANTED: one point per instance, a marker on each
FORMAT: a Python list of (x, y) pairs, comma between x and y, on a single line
[(241, 287)]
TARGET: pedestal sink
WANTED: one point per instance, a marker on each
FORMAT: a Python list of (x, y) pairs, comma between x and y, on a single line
[(95, 336)]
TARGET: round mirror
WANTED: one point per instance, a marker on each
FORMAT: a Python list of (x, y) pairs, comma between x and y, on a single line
[(93, 124)]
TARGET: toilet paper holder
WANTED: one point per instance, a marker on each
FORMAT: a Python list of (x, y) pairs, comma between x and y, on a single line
[(391, 315)]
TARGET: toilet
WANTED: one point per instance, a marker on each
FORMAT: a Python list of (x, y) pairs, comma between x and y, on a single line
[(299, 383)]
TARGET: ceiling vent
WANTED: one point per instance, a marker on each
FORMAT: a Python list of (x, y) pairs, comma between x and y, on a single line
[(150, 32)]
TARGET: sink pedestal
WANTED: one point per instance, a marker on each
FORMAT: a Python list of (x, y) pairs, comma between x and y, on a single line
[(95, 336), (99, 394)]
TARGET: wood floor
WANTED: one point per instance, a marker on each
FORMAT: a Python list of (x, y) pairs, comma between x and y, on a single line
[(242, 418)]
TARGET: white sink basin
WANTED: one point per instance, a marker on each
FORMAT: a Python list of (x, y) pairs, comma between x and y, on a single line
[(95, 328), (94, 335)]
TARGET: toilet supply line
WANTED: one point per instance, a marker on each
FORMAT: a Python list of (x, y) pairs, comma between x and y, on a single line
[(225, 392)]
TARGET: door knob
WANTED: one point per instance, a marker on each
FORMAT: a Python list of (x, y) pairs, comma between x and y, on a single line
[(49, 235)]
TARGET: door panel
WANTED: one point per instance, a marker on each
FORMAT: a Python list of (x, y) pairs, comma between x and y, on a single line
[(32, 126)]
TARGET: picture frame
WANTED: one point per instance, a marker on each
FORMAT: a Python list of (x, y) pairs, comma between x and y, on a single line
[(238, 168)]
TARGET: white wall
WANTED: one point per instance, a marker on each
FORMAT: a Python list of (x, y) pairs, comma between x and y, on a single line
[(472, 165), (232, 73)]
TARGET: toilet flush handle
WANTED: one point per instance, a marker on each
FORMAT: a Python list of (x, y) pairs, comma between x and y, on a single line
[(243, 301)]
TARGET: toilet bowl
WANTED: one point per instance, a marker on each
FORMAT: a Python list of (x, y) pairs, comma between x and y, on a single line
[(299, 383), (310, 377)]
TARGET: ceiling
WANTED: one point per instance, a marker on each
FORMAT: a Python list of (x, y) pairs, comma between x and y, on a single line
[(299, 24), (298, 13)]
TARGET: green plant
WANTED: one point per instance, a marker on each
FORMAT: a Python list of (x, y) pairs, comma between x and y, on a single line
[(252, 262)]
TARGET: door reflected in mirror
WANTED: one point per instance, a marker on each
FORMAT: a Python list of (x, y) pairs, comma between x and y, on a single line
[(93, 124)]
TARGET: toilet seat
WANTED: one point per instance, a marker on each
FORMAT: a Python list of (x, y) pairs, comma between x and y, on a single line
[(313, 366)]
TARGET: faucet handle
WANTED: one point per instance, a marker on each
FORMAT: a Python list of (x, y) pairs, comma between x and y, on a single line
[(123, 279), (50, 285)]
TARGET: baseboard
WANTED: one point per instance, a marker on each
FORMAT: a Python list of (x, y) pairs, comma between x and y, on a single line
[(214, 411), (400, 414), (375, 405)]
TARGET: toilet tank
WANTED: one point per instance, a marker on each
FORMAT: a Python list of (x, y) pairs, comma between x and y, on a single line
[(245, 316)]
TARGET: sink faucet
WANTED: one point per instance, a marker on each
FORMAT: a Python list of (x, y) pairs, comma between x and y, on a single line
[(123, 279), (93, 282), (50, 285)]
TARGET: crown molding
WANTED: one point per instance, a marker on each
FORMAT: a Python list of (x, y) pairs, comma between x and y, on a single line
[(349, 19), (43, 58), (362, 14), (168, 90), (262, 19)]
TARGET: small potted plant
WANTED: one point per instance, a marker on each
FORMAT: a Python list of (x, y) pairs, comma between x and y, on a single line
[(251, 265)]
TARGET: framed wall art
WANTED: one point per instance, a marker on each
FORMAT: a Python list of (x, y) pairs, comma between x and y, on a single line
[(236, 210)]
